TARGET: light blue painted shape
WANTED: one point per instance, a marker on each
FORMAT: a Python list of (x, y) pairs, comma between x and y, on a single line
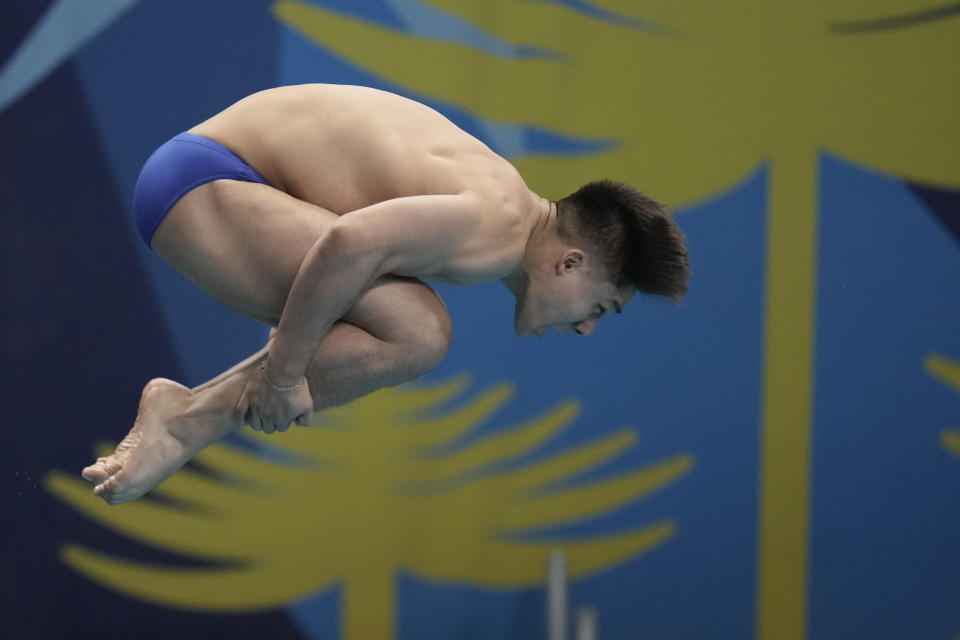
[(65, 28), (425, 21), (605, 15)]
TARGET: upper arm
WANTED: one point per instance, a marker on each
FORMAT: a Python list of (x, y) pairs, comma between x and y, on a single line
[(413, 236)]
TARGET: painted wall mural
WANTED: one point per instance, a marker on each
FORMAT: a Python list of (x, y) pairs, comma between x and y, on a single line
[(778, 457)]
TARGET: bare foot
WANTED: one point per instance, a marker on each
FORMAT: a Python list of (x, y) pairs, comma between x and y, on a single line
[(161, 441), (103, 468)]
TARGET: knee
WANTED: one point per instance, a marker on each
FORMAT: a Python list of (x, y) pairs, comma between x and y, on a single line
[(430, 341)]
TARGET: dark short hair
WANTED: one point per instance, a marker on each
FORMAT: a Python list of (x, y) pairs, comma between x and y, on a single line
[(636, 240)]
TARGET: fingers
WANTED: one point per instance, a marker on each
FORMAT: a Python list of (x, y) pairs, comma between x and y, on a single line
[(273, 427), (272, 414), (286, 424), (258, 423), (266, 426), (259, 420), (253, 420)]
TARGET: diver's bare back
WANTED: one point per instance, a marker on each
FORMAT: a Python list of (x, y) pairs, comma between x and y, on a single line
[(346, 147)]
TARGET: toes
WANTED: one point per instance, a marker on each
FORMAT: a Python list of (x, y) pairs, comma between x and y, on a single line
[(118, 488), (108, 488), (103, 490), (102, 469), (96, 473)]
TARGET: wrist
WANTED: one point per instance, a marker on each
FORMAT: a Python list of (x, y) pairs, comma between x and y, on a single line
[(279, 383)]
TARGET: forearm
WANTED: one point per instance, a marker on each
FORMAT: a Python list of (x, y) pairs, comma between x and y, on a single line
[(413, 236), (333, 276)]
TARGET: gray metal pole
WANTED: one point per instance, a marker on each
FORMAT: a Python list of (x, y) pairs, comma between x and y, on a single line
[(587, 624), (557, 596)]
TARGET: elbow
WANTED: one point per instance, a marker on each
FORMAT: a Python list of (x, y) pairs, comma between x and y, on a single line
[(343, 249), (337, 237)]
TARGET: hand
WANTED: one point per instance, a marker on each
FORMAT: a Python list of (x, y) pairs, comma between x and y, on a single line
[(266, 409)]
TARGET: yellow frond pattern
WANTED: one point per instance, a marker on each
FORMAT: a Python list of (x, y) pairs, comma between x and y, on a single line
[(395, 480), (947, 371), (950, 439)]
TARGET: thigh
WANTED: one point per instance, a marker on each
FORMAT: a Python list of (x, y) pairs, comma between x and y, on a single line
[(243, 244)]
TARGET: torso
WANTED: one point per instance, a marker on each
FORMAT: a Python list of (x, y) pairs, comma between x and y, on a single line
[(344, 148)]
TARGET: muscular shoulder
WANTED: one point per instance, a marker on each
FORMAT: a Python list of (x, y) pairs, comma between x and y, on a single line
[(506, 207), (501, 218)]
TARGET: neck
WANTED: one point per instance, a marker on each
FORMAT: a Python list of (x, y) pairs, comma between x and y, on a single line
[(543, 225)]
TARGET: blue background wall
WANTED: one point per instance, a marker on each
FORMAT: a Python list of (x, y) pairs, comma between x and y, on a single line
[(835, 518)]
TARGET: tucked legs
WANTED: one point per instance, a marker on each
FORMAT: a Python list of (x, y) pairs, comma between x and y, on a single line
[(243, 244)]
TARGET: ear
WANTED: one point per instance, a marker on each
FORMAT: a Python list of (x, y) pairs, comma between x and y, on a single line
[(572, 259)]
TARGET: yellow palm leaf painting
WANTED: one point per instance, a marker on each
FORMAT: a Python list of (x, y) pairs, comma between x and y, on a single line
[(691, 97), (391, 482), (947, 371)]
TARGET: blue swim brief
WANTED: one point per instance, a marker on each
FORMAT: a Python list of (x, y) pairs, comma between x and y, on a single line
[(177, 167)]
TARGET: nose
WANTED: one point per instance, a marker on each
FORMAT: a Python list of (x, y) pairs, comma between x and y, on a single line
[(585, 327)]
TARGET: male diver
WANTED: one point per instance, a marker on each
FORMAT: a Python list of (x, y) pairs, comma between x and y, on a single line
[(322, 210)]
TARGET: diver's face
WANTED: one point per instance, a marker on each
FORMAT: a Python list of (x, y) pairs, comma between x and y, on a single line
[(573, 297)]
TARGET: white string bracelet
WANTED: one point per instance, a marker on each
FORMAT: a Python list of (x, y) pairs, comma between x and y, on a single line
[(263, 372)]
